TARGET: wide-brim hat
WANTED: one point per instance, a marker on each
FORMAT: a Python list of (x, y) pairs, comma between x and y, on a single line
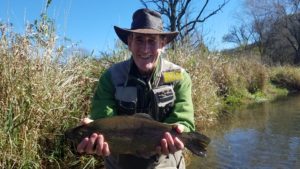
[(145, 21)]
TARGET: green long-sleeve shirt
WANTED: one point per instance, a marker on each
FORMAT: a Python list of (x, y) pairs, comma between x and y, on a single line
[(104, 103)]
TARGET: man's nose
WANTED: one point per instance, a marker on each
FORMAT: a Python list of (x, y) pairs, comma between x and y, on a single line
[(146, 47)]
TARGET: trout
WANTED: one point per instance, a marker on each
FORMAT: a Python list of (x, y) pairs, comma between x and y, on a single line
[(136, 135)]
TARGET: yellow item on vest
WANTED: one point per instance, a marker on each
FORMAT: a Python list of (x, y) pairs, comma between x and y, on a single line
[(172, 76)]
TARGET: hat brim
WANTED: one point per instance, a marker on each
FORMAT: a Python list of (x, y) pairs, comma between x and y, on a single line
[(123, 33)]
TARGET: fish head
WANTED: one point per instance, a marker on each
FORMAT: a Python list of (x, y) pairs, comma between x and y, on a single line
[(76, 134)]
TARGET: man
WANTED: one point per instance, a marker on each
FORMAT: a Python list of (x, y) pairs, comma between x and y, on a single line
[(146, 83)]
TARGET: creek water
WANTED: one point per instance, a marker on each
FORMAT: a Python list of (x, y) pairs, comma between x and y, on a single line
[(265, 135)]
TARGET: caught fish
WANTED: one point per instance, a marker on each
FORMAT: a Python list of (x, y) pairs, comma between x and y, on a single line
[(136, 135)]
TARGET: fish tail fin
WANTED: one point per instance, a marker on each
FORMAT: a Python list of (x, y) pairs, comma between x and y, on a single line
[(197, 143)]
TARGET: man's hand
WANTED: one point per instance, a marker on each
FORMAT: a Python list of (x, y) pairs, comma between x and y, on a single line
[(94, 144), (170, 144)]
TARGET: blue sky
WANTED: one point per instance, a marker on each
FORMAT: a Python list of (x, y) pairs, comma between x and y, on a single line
[(90, 23)]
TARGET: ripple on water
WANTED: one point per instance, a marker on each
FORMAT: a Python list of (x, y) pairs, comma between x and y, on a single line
[(267, 138)]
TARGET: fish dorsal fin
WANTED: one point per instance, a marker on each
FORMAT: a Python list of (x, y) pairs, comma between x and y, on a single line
[(143, 115)]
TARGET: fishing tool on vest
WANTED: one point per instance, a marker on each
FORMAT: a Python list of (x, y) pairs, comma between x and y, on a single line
[(163, 98)]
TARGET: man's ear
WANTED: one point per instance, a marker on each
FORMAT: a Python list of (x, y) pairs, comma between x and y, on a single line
[(129, 40), (163, 41)]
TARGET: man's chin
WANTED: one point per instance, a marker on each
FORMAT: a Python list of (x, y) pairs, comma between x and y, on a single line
[(147, 70)]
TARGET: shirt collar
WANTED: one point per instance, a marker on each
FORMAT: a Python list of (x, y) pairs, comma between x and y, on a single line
[(154, 77)]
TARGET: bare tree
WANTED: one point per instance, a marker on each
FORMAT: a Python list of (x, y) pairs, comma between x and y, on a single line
[(290, 25), (263, 15), (239, 35), (179, 14), (276, 26)]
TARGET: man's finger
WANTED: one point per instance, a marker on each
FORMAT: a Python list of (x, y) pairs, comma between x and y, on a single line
[(178, 143), (158, 150), (82, 145), (170, 142), (85, 121), (99, 146), (179, 128), (90, 147), (105, 150), (164, 146)]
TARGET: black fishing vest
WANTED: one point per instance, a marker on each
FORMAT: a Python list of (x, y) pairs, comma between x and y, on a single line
[(137, 94)]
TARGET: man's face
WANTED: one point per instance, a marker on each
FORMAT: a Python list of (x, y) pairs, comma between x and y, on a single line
[(145, 50)]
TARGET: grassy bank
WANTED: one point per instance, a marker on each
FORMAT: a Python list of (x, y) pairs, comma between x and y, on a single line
[(224, 82), (43, 91)]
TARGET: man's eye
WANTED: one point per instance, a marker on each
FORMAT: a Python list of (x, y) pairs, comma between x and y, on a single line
[(152, 41), (139, 40)]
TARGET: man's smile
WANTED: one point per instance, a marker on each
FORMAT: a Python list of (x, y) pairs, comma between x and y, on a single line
[(145, 57)]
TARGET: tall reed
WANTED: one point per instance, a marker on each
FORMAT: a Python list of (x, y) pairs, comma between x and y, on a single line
[(42, 92)]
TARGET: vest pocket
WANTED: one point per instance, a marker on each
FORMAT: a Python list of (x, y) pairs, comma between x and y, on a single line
[(126, 99)]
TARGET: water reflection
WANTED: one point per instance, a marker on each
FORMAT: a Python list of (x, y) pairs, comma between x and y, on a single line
[(262, 136)]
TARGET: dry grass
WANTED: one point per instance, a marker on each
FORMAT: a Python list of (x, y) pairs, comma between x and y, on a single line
[(205, 99), (286, 77), (220, 80), (41, 93)]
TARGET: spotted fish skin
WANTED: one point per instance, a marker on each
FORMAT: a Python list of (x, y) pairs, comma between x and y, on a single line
[(135, 135)]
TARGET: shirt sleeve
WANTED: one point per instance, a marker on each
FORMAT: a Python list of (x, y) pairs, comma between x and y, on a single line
[(183, 112), (103, 102)]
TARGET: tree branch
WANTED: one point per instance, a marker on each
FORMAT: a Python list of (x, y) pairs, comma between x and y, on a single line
[(198, 18)]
